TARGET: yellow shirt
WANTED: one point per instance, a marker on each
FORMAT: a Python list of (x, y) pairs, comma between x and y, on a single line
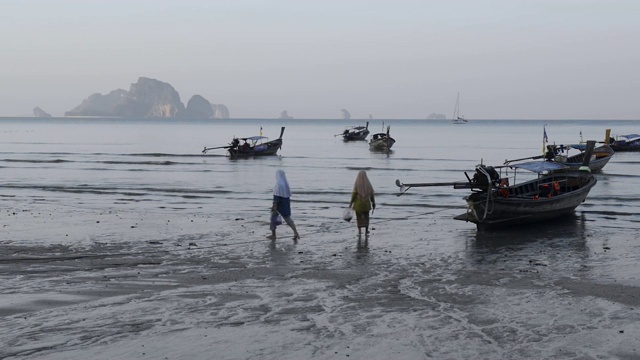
[(360, 204)]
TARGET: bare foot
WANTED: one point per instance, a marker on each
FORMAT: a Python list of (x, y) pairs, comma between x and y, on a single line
[(296, 237), (271, 237)]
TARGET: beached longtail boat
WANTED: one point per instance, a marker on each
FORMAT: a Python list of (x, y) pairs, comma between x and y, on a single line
[(496, 200), (251, 146)]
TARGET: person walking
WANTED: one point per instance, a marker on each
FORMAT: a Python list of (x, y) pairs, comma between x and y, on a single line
[(282, 205), (362, 201)]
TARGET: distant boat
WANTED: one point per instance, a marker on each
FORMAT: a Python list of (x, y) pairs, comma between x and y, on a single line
[(457, 118), (630, 142), (355, 133), (252, 146), (381, 141)]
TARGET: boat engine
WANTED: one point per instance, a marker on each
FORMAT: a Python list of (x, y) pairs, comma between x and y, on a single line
[(486, 177)]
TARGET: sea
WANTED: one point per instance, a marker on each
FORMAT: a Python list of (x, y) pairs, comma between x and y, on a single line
[(121, 239)]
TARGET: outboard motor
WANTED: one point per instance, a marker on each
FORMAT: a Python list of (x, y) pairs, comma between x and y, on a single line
[(480, 179)]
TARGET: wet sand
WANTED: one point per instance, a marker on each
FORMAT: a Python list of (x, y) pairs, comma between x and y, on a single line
[(78, 283)]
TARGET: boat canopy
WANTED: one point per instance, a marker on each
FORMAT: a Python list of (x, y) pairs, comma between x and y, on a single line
[(580, 147), (255, 138), (539, 166), (630, 137)]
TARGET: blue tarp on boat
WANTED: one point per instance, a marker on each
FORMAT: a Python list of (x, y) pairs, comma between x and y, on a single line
[(539, 166)]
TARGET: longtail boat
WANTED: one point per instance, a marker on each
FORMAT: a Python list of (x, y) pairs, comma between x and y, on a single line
[(381, 141), (251, 146), (562, 154), (355, 133), (496, 200)]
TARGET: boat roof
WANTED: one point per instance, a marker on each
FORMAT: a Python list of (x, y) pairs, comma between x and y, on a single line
[(539, 166), (630, 136), (577, 146), (254, 138)]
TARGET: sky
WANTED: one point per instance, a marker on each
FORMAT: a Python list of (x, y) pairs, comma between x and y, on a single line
[(400, 59)]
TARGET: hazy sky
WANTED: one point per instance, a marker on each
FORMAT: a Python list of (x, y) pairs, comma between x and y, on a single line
[(508, 59)]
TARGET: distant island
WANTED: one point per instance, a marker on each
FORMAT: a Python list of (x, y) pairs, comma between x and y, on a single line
[(37, 112), (285, 115), (148, 98)]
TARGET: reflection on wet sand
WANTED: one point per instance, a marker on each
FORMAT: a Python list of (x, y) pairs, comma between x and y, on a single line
[(571, 228)]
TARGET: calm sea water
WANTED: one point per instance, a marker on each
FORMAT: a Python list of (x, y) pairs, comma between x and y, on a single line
[(154, 165), (121, 240)]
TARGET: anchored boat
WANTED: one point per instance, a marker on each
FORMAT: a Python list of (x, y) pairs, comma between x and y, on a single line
[(599, 157), (630, 142), (381, 141), (251, 146), (355, 133)]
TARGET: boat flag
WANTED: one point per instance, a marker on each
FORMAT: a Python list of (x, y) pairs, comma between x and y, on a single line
[(260, 130), (545, 139)]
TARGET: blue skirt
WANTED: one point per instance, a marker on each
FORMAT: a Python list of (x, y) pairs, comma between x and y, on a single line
[(283, 205)]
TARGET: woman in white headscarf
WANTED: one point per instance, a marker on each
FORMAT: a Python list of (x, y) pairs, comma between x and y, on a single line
[(362, 201), (282, 205)]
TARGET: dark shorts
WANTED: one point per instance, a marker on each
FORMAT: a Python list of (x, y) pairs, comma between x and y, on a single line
[(283, 205)]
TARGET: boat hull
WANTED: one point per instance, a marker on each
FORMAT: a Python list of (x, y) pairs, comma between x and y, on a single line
[(626, 147), (356, 136), (381, 141), (381, 144), (526, 207), (268, 148), (625, 143)]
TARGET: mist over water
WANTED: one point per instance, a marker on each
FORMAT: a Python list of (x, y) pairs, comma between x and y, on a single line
[(138, 203)]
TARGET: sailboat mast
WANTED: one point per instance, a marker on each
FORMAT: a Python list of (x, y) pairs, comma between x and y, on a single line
[(455, 110)]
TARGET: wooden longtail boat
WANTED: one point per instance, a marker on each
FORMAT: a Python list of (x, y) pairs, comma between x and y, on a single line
[(252, 146), (561, 154), (554, 191), (381, 141), (630, 142), (355, 133), (555, 153)]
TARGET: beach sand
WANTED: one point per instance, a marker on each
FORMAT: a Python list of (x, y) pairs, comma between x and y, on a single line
[(79, 283)]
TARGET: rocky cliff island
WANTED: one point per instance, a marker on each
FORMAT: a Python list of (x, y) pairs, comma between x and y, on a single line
[(148, 98), (37, 112)]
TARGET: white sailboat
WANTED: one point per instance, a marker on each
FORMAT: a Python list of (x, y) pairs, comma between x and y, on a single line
[(457, 119)]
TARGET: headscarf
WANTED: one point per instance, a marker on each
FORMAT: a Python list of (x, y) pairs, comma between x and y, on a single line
[(282, 185), (362, 186)]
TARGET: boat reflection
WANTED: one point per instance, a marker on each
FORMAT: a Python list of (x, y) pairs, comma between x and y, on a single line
[(568, 230)]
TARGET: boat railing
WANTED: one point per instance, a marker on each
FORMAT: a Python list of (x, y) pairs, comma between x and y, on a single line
[(531, 190)]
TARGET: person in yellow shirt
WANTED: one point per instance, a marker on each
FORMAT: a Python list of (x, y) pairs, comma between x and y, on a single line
[(362, 201)]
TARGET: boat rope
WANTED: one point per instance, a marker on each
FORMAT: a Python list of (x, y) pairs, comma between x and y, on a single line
[(489, 195)]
